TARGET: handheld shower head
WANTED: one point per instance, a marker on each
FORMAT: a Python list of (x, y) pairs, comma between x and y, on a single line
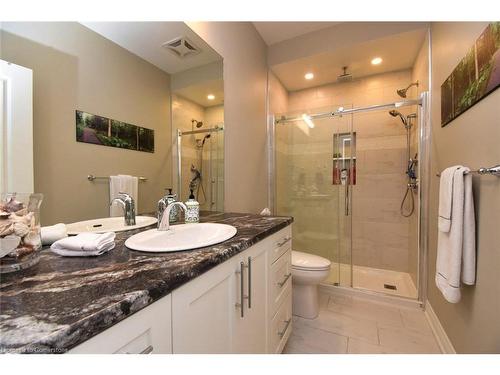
[(402, 92), (395, 113)]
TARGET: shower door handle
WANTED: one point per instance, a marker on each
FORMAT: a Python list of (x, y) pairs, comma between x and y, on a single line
[(346, 195)]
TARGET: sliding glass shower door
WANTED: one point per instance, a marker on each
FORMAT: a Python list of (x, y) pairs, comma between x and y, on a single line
[(314, 173)]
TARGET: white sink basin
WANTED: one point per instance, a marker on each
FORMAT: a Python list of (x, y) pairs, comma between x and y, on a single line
[(181, 237), (109, 224)]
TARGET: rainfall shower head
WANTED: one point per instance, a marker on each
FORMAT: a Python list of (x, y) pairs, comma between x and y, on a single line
[(344, 77), (402, 92)]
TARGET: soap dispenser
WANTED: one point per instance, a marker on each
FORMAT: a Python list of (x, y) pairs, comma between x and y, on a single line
[(164, 202), (193, 210)]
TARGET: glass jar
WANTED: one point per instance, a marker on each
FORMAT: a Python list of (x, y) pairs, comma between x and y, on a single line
[(20, 240)]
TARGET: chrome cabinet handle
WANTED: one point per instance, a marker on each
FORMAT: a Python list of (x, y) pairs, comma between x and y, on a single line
[(285, 240), (346, 199), (281, 283), (249, 282), (242, 289), (282, 333), (148, 350)]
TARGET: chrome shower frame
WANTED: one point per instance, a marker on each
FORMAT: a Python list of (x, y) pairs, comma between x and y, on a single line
[(423, 103)]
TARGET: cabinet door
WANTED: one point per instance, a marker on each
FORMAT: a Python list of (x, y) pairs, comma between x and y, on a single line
[(250, 329), (203, 312)]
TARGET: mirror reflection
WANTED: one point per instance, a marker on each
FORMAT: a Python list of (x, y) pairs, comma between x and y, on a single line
[(109, 108)]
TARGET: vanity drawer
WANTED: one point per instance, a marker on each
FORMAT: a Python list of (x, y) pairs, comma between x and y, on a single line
[(280, 281), (147, 331), (281, 326), (280, 243)]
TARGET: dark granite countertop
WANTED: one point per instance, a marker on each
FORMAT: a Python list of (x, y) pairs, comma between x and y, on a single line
[(62, 302)]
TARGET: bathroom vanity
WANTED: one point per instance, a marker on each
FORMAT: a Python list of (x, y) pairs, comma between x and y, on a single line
[(233, 297)]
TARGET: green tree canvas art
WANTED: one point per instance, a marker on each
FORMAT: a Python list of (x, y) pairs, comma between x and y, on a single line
[(476, 76), (107, 132)]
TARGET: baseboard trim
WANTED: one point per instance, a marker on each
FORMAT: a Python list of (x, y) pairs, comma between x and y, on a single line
[(437, 329)]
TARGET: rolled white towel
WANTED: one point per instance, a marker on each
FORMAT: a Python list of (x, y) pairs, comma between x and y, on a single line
[(52, 233), (85, 244)]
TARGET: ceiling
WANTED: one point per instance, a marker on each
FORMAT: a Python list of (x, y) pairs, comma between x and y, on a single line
[(198, 93), (398, 52), (275, 32), (145, 40)]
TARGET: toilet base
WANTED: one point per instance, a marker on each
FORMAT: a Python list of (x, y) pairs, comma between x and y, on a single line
[(305, 300)]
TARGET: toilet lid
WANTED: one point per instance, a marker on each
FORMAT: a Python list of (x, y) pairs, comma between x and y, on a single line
[(305, 261)]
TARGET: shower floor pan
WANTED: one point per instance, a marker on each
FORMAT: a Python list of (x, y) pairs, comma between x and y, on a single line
[(374, 279)]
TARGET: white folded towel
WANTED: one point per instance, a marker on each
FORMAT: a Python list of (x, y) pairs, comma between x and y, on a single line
[(52, 233), (85, 244), (122, 184), (445, 198), (456, 253)]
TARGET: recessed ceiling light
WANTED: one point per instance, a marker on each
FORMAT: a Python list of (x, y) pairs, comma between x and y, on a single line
[(309, 76), (210, 97), (376, 60)]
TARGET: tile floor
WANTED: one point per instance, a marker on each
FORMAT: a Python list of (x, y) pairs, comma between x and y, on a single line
[(373, 279), (352, 325)]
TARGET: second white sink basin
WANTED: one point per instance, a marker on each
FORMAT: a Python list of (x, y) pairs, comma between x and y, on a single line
[(109, 224), (181, 237)]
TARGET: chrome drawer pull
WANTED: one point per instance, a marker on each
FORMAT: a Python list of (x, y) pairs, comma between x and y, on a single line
[(287, 323), (148, 350), (285, 240), (281, 283)]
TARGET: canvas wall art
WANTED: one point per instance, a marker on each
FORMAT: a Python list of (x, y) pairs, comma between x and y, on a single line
[(476, 76), (108, 132)]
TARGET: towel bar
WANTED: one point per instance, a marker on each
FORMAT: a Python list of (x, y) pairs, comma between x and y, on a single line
[(493, 171), (91, 177)]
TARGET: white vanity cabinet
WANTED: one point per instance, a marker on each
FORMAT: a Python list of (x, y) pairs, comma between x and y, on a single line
[(242, 305), (229, 309)]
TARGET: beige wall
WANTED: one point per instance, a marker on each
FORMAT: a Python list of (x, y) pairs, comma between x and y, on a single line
[(471, 140), (380, 234), (75, 68), (245, 75)]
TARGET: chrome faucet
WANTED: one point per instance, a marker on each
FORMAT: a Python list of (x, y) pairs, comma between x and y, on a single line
[(164, 222), (128, 204)]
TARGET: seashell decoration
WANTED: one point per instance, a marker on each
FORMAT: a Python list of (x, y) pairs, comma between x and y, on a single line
[(19, 234)]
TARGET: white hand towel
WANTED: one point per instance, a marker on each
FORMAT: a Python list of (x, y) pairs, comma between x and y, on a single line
[(445, 198), (85, 244), (122, 184), (52, 233), (456, 253)]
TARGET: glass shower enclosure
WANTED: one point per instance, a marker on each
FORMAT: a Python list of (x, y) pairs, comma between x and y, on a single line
[(340, 172), (200, 166), (315, 168)]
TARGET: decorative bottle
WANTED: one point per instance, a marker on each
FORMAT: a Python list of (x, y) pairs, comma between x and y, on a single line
[(193, 210)]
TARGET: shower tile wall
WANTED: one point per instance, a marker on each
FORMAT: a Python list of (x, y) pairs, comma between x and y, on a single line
[(380, 235)]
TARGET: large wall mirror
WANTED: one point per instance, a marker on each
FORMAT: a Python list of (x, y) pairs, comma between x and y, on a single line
[(110, 99)]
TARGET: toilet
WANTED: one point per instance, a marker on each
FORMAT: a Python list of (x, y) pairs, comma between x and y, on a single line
[(308, 271)]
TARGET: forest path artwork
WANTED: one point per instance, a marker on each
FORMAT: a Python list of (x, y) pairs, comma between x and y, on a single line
[(476, 76), (108, 132)]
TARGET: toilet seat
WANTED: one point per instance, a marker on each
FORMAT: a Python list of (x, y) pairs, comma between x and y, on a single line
[(309, 262)]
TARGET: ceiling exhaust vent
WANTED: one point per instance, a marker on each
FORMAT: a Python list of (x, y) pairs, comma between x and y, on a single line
[(181, 47)]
